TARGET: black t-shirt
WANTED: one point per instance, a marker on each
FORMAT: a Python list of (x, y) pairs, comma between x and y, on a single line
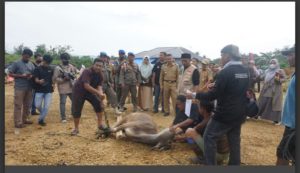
[(90, 77), (194, 115), (156, 69), (45, 73)]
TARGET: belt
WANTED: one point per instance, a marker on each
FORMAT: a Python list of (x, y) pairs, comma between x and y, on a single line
[(170, 81)]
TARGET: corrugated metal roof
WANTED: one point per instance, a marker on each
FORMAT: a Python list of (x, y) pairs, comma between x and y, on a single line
[(175, 51)]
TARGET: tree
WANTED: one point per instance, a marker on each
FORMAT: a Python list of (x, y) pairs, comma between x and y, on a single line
[(41, 49), (19, 49)]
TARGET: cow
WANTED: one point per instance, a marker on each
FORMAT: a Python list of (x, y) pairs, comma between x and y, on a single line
[(140, 127)]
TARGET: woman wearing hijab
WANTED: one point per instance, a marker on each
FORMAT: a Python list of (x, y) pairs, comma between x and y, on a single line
[(145, 89), (270, 99)]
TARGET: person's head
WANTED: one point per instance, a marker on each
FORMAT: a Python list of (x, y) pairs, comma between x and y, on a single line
[(103, 56), (130, 57), (230, 52), (169, 58), (146, 60), (211, 65), (180, 102), (38, 58), (122, 54), (186, 59), (65, 58), (47, 59), (102, 63), (290, 54), (204, 64), (162, 56), (26, 55), (273, 64), (98, 63), (206, 107), (251, 63), (195, 61), (216, 68)]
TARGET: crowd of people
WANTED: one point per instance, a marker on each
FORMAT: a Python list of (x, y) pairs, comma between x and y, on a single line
[(218, 92)]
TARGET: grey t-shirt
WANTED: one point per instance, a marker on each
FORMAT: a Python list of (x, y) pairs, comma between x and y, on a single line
[(20, 67)]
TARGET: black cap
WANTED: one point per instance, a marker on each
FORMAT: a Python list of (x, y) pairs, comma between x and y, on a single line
[(186, 56)]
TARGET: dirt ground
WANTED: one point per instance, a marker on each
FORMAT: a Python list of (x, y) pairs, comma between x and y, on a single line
[(52, 144)]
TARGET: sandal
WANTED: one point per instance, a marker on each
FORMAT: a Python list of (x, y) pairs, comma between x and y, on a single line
[(74, 132)]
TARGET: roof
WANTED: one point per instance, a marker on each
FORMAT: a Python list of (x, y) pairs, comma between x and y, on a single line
[(175, 51)]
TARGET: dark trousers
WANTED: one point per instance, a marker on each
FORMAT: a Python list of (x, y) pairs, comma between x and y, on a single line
[(119, 93), (62, 104), (133, 91), (214, 131), (33, 108), (111, 96), (158, 97)]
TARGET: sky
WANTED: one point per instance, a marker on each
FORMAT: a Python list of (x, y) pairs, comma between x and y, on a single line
[(204, 27)]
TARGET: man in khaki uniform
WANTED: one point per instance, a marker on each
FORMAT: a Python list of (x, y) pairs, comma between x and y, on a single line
[(130, 78), (206, 76), (189, 79), (169, 82)]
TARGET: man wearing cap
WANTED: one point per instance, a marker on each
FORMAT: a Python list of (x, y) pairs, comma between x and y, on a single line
[(230, 91), (130, 78), (288, 115), (189, 79), (107, 82), (206, 76), (64, 75), (168, 83), (117, 70)]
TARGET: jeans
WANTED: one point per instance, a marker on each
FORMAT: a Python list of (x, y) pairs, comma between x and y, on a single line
[(33, 108), (213, 132), (46, 99), (157, 96), (62, 103)]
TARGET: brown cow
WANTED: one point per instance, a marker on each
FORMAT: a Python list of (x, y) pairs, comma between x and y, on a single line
[(140, 127)]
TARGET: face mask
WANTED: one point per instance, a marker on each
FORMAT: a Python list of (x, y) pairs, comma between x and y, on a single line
[(272, 66), (65, 62), (38, 61)]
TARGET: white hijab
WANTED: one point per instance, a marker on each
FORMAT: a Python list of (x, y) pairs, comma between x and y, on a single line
[(146, 69), (270, 73)]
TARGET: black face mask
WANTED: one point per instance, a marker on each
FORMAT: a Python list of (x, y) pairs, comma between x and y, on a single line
[(38, 61), (65, 62)]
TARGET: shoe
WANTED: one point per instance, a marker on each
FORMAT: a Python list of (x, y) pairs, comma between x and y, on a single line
[(74, 132), (34, 113), (134, 109), (42, 123), (121, 109), (155, 111), (166, 114), (277, 124), (28, 122), (117, 111), (63, 121), (162, 111)]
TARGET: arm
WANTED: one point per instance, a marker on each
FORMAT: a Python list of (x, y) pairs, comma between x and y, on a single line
[(153, 79), (184, 123), (203, 123), (90, 89), (216, 91), (56, 76), (161, 79), (177, 76), (138, 76), (12, 72), (195, 79), (121, 77)]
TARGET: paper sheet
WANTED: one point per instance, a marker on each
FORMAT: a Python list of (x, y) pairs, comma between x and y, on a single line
[(188, 105)]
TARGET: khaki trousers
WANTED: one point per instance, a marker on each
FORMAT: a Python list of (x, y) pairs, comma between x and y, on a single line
[(22, 99), (170, 90)]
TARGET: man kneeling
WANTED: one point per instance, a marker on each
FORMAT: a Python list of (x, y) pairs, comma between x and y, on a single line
[(195, 137)]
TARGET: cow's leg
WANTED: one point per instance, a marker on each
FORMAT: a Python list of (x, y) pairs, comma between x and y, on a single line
[(120, 121)]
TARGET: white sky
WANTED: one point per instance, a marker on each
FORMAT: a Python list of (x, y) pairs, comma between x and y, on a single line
[(206, 27)]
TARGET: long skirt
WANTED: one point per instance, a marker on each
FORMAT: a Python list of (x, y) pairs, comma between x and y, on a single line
[(145, 97), (266, 112)]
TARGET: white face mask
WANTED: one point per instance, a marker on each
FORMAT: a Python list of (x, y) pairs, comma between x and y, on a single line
[(272, 66)]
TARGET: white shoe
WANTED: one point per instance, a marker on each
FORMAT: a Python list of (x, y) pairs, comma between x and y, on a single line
[(64, 121), (117, 111), (278, 124)]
